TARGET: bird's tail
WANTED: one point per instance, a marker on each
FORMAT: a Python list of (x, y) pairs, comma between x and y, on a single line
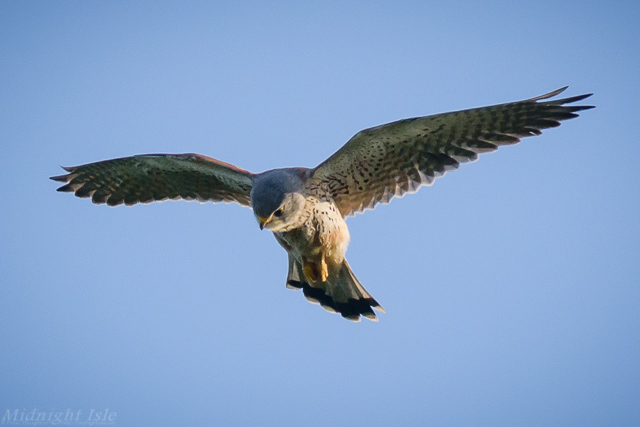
[(341, 293)]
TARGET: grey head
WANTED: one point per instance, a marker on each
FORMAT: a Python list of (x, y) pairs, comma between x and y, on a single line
[(277, 199)]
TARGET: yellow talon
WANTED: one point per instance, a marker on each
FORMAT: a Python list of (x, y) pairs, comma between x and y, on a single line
[(313, 273), (310, 271), (324, 270)]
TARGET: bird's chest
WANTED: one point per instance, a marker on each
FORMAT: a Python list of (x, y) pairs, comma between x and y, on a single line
[(324, 231)]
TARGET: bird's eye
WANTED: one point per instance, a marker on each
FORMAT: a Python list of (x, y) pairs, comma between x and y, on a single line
[(278, 213)]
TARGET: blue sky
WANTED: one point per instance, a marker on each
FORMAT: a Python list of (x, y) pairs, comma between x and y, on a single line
[(511, 286)]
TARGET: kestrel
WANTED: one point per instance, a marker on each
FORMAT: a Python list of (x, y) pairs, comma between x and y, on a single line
[(306, 208)]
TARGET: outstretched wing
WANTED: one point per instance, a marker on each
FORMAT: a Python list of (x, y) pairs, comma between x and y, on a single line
[(400, 157), (156, 177)]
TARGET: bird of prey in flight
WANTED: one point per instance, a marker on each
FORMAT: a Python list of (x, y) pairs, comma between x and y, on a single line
[(306, 208)]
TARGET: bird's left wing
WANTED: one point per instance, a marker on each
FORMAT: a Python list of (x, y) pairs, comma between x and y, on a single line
[(156, 177), (398, 158)]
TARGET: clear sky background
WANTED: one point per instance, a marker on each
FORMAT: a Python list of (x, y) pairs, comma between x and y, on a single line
[(511, 286)]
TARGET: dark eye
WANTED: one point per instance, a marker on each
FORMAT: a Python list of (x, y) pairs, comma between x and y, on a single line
[(278, 213)]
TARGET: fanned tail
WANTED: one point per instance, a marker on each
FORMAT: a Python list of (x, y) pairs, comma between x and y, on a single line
[(341, 293)]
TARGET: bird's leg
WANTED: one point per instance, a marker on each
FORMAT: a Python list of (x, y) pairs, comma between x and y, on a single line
[(324, 269), (316, 271), (310, 271)]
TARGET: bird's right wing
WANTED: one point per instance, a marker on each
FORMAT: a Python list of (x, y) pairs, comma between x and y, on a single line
[(156, 177), (400, 157)]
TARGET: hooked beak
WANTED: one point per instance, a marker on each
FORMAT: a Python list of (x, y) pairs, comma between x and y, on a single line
[(263, 222)]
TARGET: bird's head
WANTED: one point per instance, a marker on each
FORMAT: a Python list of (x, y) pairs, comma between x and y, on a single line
[(277, 201)]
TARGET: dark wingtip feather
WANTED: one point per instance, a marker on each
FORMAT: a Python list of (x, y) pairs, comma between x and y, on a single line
[(561, 103), (66, 177), (71, 187), (60, 178), (565, 100), (575, 98), (550, 94), (582, 107)]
